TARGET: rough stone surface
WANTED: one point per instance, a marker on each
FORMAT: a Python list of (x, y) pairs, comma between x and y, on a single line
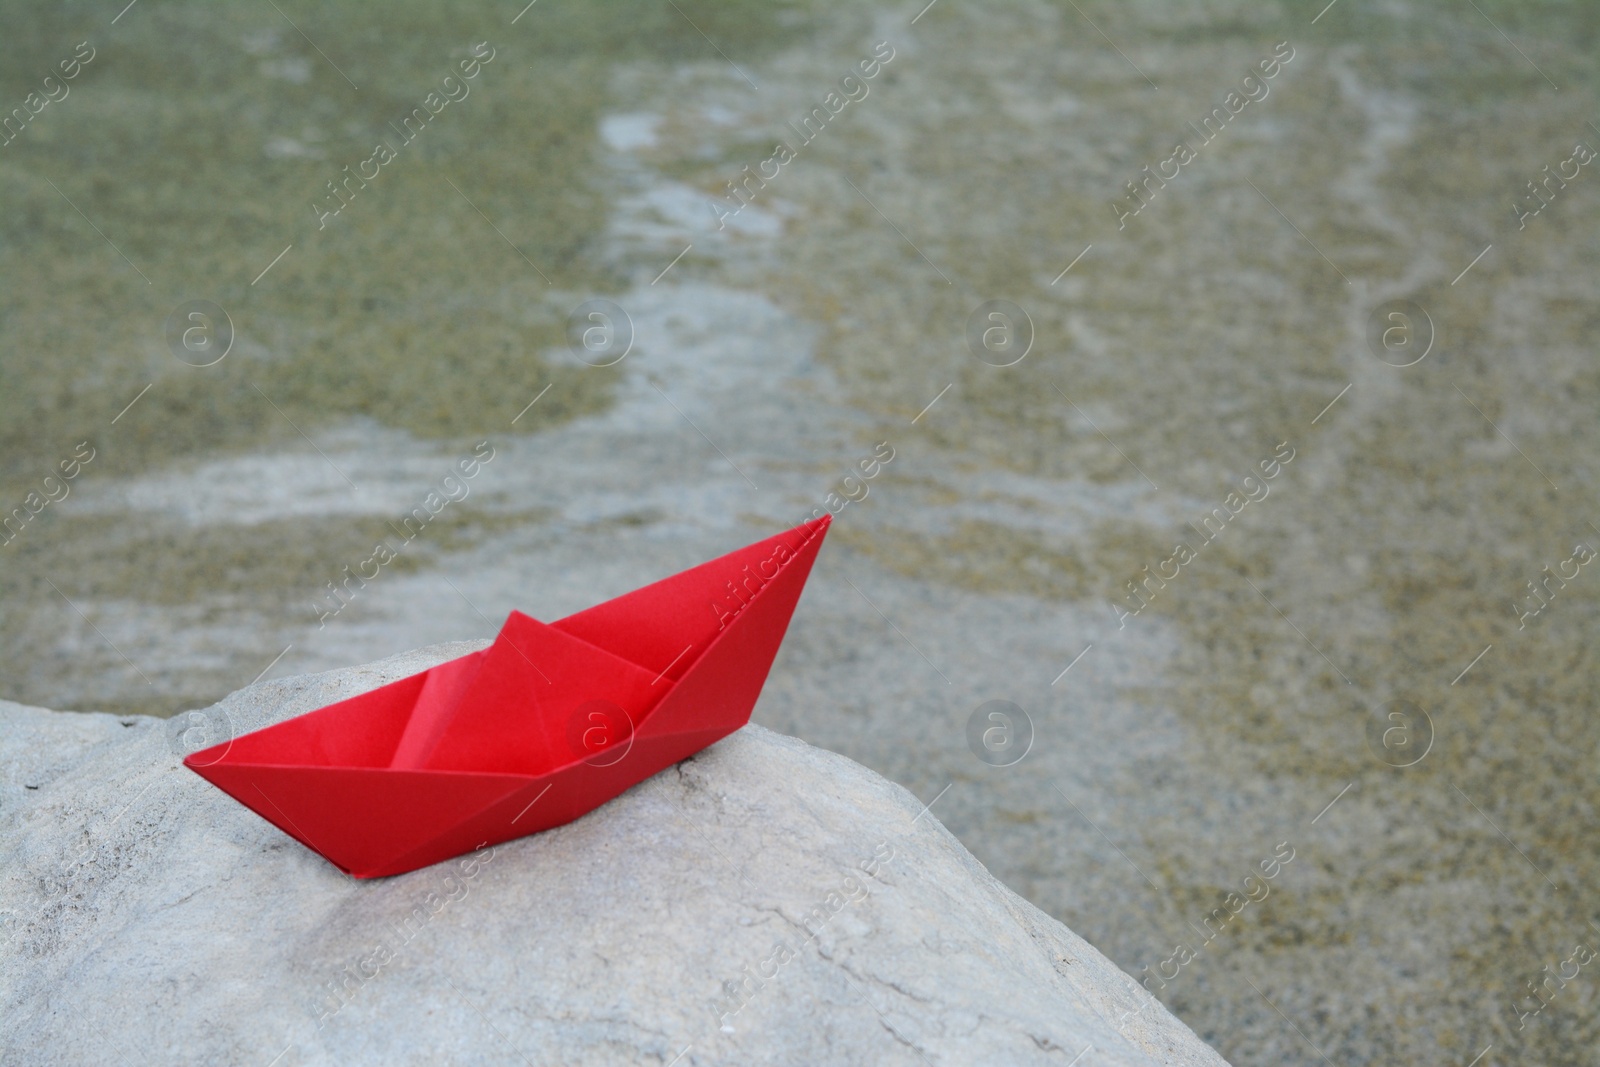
[(148, 918)]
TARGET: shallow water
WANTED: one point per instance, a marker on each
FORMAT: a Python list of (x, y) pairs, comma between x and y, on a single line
[(1225, 324)]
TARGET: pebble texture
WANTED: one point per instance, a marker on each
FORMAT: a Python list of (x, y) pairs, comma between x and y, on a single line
[(762, 902)]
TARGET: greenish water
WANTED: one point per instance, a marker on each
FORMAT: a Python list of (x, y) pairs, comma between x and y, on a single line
[(188, 153)]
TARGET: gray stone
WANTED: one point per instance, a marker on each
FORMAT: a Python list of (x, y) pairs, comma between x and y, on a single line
[(761, 902)]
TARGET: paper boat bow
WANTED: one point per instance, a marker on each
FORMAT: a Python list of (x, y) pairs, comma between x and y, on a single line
[(544, 725)]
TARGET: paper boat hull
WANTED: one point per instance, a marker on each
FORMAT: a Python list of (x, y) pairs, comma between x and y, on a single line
[(329, 778)]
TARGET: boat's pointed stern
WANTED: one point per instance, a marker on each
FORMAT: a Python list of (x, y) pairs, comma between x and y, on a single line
[(324, 777), (666, 626), (718, 690), (361, 819)]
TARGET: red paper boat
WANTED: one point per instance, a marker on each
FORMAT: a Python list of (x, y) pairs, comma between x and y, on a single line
[(544, 725)]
